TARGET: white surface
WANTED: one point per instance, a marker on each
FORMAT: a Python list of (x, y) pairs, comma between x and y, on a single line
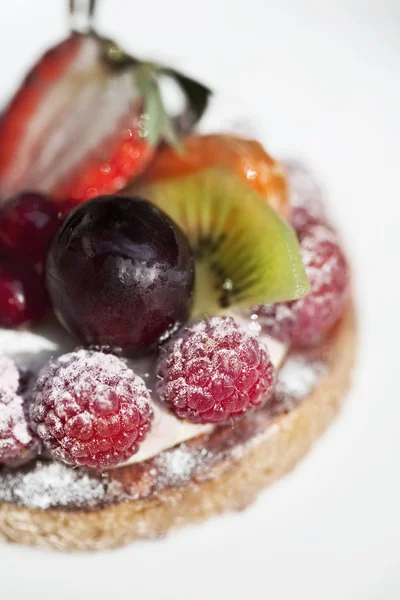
[(324, 79)]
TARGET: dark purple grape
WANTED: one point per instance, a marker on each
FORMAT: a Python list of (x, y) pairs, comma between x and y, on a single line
[(120, 273)]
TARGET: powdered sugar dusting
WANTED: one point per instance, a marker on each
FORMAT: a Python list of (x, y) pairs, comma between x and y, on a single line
[(9, 376), (16, 443), (298, 377), (86, 369), (52, 484), (177, 466)]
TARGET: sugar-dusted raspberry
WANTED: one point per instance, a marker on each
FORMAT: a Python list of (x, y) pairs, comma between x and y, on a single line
[(214, 371), (305, 321), (90, 409), (17, 444), (306, 197)]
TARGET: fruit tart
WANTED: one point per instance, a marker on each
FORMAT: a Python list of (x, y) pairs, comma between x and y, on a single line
[(177, 326)]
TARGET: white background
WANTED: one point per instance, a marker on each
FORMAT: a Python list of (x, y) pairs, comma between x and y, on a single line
[(324, 81)]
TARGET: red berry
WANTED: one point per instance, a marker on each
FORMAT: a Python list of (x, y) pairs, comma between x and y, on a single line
[(23, 295), (90, 409), (306, 206), (306, 320), (215, 372), (17, 444), (28, 223)]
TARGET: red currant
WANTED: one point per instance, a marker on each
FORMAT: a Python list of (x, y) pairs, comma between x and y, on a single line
[(23, 295), (28, 222)]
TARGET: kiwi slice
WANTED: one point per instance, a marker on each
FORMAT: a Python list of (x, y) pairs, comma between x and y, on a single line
[(245, 252)]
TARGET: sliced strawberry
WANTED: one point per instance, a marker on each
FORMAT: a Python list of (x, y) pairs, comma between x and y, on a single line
[(73, 128), (16, 133), (87, 120)]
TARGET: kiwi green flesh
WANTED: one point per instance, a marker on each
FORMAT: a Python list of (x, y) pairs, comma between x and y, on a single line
[(246, 254)]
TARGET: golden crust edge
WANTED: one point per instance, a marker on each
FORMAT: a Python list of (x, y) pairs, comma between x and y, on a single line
[(232, 487)]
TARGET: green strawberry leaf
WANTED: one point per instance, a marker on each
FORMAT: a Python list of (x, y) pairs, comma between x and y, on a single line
[(159, 124), (197, 94)]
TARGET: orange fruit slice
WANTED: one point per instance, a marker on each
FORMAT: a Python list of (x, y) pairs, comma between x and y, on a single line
[(247, 158)]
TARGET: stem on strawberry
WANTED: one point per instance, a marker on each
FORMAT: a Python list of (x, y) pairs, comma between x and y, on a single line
[(81, 15)]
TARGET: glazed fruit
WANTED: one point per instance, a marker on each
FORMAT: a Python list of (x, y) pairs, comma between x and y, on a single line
[(28, 223), (244, 250), (17, 443), (23, 295), (90, 409), (120, 273), (246, 158), (214, 372), (305, 321)]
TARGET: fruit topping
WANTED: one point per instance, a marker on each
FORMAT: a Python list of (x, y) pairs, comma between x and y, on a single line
[(17, 444), (244, 250), (32, 120), (86, 120), (23, 295), (214, 371), (306, 206), (74, 128), (246, 158), (28, 222), (120, 273), (305, 321), (90, 409)]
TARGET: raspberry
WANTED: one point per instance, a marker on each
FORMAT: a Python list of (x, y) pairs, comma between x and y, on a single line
[(305, 197), (28, 222), (90, 409), (305, 321), (23, 295), (214, 372), (17, 445)]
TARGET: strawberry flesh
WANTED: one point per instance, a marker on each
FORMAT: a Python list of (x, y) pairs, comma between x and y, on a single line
[(73, 130)]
